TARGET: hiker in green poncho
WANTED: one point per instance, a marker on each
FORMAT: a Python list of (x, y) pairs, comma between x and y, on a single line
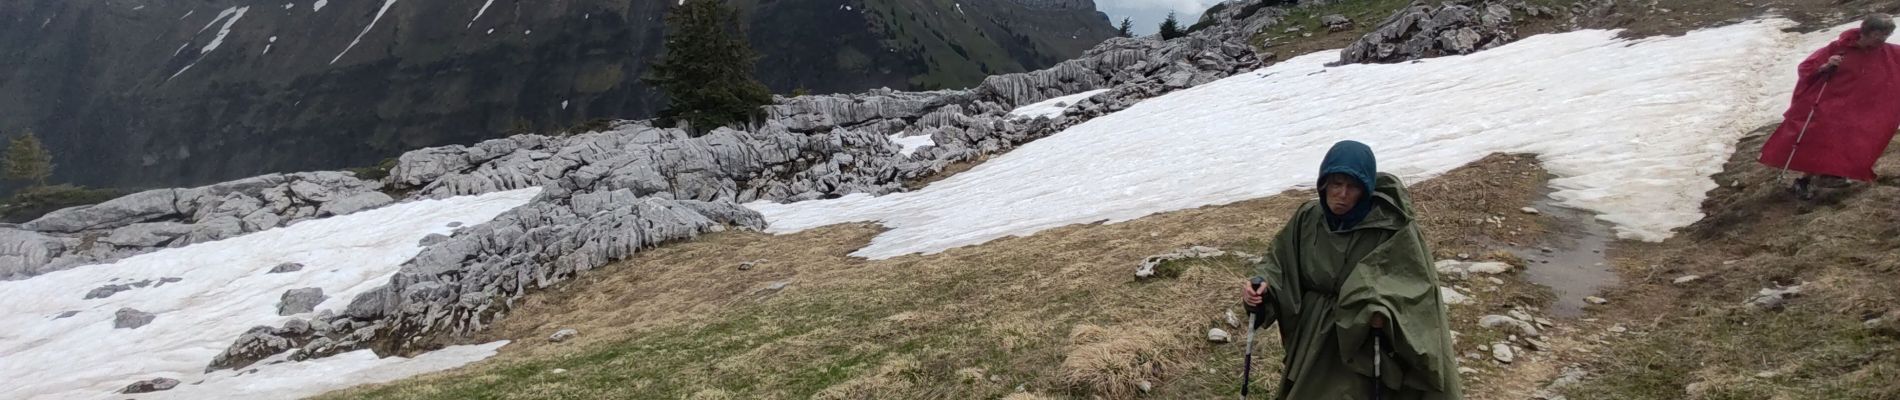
[(1346, 268)]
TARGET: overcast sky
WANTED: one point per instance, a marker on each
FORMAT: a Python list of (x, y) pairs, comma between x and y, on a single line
[(1147, 14)]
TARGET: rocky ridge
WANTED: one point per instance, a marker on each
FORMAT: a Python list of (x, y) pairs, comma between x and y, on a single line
[(167, 218)]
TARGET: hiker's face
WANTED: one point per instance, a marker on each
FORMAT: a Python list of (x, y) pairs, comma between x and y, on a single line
[(1870, 40), (1342, 192)]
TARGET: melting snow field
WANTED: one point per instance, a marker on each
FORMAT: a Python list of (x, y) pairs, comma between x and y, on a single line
[(1632, 128), (222, 291), (1053, 107)]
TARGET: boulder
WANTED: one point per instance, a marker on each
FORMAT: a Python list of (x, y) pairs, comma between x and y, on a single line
[(1503, 353), (256, 344), (563, 335), (1335, 22), (1452, 297), (150, 385), (1509, 325), (286, 267), (298, 301), (106, 291), (1686, 279), (127, 318)]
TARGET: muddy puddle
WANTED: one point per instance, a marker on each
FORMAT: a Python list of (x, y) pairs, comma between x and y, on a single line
[(1572, 262)]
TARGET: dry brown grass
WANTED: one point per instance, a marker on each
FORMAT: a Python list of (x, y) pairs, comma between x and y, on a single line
[(1114, 362)]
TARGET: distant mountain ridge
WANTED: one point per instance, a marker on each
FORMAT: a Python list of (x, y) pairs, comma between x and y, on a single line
[(133, 93)]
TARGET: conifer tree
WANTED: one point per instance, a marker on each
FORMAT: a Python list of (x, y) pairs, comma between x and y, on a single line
[(27, 160), (1127, 28), (706, 73), (1171, 28)]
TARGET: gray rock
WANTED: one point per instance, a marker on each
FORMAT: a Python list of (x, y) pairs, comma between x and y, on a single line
[(127, 318), (1685, 279), (1423, 31), (1336, 22), (1773, 299), (1595, 300), (163, 281), (130, 209), (1509, 325), (24, 253), (432, 239), (151, 385), (563, 335), (1571, 376), (1217, 335), (1503, 353), (286, 267), (216, 229), (146, 235), (372, 304), (107, 291), (261, 219), (298, 301), (256, 344), (354, 203)]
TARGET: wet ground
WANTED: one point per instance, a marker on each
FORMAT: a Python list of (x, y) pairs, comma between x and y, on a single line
[(1571, 262)]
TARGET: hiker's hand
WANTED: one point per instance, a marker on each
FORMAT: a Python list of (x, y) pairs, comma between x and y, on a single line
[(1252, 297), (1378, 321), (1833, 62)]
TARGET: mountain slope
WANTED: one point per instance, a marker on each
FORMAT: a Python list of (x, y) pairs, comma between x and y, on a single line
[(139, 94)]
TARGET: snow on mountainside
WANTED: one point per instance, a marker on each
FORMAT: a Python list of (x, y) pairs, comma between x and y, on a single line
[(62, 343), (1633, 129)]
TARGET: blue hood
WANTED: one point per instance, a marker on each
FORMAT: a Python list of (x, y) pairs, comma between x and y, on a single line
[(1352, 159)]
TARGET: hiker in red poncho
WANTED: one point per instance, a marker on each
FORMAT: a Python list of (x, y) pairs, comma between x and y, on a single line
[(1845, 110)]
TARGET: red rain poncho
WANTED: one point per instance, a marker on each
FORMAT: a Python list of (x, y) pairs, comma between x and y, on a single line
[(1857, 117)]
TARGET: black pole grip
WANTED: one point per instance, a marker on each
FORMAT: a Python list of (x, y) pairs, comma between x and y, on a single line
[(1258, 309)]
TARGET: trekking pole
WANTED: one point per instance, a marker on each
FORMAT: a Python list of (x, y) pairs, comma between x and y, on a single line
[(1826, 76), (1246, 366), (1378, 353)]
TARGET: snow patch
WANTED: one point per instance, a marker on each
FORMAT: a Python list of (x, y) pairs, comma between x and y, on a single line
[(224, 30), (318, 6), (910, 144), (305, 379), (478, 13), (1633, 129), (230, 16), (223, 291), (359, 36), (187, 14), (563, 104), (1054, 107)]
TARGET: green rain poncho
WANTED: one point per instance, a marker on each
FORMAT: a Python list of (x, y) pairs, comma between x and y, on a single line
[(1326, 283)]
